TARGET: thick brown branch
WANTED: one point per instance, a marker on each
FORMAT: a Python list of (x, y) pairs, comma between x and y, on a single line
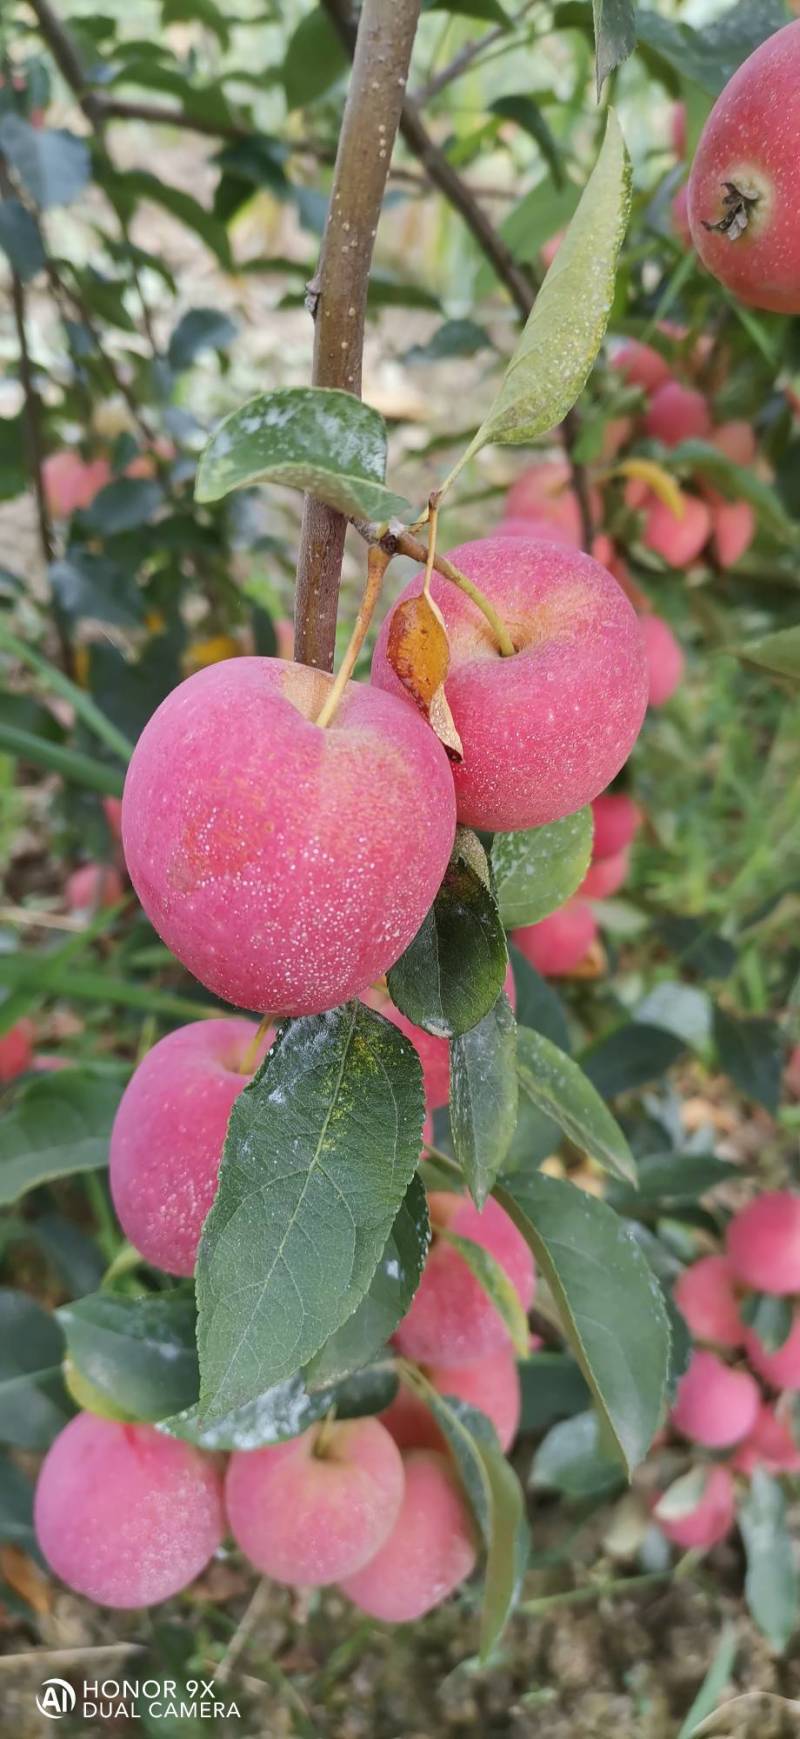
[(381, 56)]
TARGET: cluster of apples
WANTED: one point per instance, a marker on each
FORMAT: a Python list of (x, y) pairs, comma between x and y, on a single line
[(737, 1398), (129, 1516), (562, 944)]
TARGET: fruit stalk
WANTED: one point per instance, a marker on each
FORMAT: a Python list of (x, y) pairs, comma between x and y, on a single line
[(337, 295)]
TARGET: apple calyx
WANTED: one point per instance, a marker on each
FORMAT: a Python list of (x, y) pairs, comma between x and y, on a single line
[(737, 216)]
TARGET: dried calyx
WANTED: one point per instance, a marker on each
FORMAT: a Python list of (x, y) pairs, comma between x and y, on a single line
[(737, 213)]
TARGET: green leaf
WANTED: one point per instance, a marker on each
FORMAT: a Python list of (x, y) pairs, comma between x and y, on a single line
[(771, 1582), (609, 1302), (454, 338), (60, 1124), (197, 330), (537, 870), (53, 166), (452, 973), (484, 1097), (85, 584), (538, 1004), (285, 1411), (490, 10), (34, 1405), (205, 11), (20, 239), (554, 357), (737, 482), (553, 1387), (126, 189), (779, 653), (77, 769), (137, 1354), (391, 1290), (310, 438), (558, 1087), (750, 1050), (493, 1279), (673, 1178), (717, 1677), (124, 505), (496, 1499), (709, 56), (629, 1057), (770, 1317), (614, 35), (571, 1459), (527, 114), (320, 1150), (681, 1009), (26, 971), (698, 945), (315, 58)]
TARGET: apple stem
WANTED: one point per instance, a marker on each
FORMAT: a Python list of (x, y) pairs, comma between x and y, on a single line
[(377, 563), (323, 1436), (408, 545), (248, 1061)]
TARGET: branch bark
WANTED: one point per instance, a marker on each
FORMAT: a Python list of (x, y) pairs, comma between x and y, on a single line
[(338, 292)]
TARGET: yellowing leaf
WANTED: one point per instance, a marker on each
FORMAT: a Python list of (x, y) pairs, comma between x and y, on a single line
[(419, 653), (658, 480)]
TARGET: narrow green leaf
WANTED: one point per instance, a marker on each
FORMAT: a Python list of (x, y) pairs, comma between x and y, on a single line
[(452, 973), (558, 1087), (82, 703), (77, 769), (717, 1677), (779, 652), (484, 1097), (321, 1148), (33, 1401), (35, 970), (492, 1277), (136, 1354), (391, 1290), (536, 871), (311, 438), (610, 1304), (60, 1124), (527, 114), (496, 1499), (563, 335), (771, 1581), (629, 1057)]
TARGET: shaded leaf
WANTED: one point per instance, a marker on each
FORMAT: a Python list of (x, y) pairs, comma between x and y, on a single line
[(536, 870), (538, 1005), (391, 1290), (779, 653), (20, 239), (16, 1506), (34, 1405), (571, 1459), (484, 1096), (750, 1050), (709, 56), (197, 330), (565, 330), (53, 166), (315, 58), (698, 945), (311, 438), (138, 1355), (614, 35), (124, 505), (771, 1581), (452, 973), (629, 1057), (770, 1317), (558, 1087), (609, 1302), (553, 1387), (320, 1150), (60, 1124), (85, 584), (527, 114), (717, 1677)]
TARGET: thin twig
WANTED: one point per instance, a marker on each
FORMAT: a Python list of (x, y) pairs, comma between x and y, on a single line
[(244, 1629), (471, 52), (338, 292), (404, 543), (69, 1657)]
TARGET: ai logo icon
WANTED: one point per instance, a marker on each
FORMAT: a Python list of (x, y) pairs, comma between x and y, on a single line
[(56, 1698)]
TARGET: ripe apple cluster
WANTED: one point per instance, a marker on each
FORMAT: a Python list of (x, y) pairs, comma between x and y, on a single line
[(735, 1400)]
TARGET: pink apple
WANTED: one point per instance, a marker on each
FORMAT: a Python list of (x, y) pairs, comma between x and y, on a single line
[(429, 1552), (706, 1297), (544, 493), (734, 525), (710, 1520), (736, 440), (770, 1445), (680, 217), (16, 1050), (490, 1384), (677, 413), (286, 865), (642, 366), (605, 876), (125, 1515), (715, 1405), (558, 944), (780, 1369), (546, 729), (664, 657), (317, 1508), (763, 1243), (742, 187), (168, 1135), (71, 483), (93, 886), (617, 820), (451, 1320), (678, 538)]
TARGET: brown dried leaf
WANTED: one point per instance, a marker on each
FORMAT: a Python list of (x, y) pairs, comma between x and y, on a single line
[(419, 654)]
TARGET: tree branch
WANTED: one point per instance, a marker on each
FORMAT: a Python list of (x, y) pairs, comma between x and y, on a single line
[(338, 292), (67, 59)]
